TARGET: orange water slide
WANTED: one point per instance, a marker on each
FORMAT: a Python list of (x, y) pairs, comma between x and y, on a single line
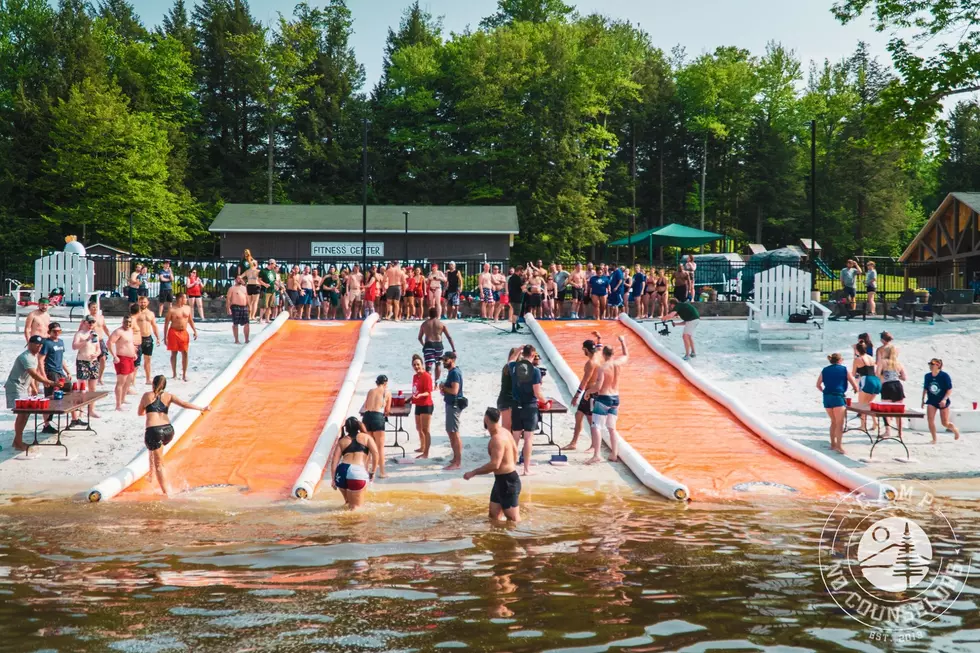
[(685, 434), (263, 426)]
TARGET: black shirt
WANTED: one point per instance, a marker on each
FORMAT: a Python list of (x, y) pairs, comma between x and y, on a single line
[(514, 285), (452, 281)]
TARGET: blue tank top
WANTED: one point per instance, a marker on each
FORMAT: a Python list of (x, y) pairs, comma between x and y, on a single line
[(834, 380)]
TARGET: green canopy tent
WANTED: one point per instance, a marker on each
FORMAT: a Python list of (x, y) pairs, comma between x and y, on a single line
[(671, 235)]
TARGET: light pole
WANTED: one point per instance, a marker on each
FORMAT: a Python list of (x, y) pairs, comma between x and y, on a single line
[(406, 236), (364, 198), (813, 205)]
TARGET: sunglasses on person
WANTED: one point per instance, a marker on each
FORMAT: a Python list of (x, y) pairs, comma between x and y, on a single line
[(935, 363)]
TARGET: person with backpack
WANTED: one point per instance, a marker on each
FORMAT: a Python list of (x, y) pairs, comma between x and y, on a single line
[(452, 393), (526, 390)]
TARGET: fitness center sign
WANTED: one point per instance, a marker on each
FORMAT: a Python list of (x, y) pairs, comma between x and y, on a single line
[(346, 249), (896, 566)]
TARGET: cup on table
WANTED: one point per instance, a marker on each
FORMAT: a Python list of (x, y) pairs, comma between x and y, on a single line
[(848, 401), (974, 405)]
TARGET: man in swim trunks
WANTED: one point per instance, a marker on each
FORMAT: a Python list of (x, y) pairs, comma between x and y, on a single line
[(430, 337), (583, 395), (395, 281), (506, 492), (355, 284), (526, 389), (577, 285), (175, 332), (133, 285), (88, 350), (605, 403), (236, 303), (685, 311), (103, 331), (166, 279), (485, 286), (38, 320), (454, 285), (499, 282), (515, 295), (267, 282), (146, 322), (306, 293), (122, 348), (436, 281)]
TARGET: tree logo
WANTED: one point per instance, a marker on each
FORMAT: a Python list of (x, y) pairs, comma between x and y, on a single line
[(893, 566)]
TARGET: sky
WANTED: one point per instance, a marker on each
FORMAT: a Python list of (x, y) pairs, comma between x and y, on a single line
[(806, 26)]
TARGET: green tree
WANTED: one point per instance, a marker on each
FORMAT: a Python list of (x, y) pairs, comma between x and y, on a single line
[(532, 11)]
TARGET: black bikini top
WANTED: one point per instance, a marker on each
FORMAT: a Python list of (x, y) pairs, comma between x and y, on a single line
[(866, 370), (354, 447), (157, 406)]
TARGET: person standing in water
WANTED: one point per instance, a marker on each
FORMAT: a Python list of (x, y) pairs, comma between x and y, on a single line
[(605, 403), (937, 388), (422, 387), (583, 395), (506, 492), (155, 405), (377, 407), (833, 382), (175, 333), (430, 337), (349, 458)]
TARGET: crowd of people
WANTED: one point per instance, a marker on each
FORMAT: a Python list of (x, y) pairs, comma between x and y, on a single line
[(878, 373)]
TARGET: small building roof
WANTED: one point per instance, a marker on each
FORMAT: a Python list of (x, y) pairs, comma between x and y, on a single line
[(347, 218), (755, 248), (109, 247), (672, 235), (972, 200)]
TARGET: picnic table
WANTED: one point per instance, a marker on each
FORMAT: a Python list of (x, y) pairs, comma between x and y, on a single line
[(557, 408), (399, 413), (59, 408), (879, 416)]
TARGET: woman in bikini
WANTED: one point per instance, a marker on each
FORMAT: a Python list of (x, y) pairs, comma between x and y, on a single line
[(660, 296), (354, 451), (408, 300), (319, 293), (869, 385), (345, 292), (195, 293), (155, 405), (550, 297), (370, 290), (419, 293)]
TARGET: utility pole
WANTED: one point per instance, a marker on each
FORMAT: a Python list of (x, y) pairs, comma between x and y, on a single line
[(406, 236), (364, 198), (704, 177), (813, 205), (633, 218)]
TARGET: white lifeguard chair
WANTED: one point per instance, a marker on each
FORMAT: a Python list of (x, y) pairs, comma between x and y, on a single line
[(780, 292), (69, 270)]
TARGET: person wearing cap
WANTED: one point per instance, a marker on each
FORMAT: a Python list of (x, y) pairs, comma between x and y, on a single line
[(88, 349), (375, 411), (51, 358), (454, 287), (100, 328), (23, 374), (267, 280), (38, 320), (526, 391), (166, 296), (452, 393)]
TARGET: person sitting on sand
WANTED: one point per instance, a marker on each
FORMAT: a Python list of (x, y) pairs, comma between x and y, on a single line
[(348, 462), (833, 382), (506, 492), (377, 407), (422, 388), (155, 405), (937, 388)]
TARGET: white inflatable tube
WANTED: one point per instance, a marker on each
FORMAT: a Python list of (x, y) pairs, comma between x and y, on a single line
[(309, 478), (639, 465), (139, 466), (813, 459)]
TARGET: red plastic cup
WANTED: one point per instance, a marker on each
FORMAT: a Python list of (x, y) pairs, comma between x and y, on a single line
[(974, 405), (847, 401)]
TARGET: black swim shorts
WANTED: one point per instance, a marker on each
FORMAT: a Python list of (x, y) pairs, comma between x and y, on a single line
[(525, 418), (393, 293), (239, 315), (253, 289), (374, 421), (158, 436), (585, 406), (506, 490), (166, 296), (146, 346)]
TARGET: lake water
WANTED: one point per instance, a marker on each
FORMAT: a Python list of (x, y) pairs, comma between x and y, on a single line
[(583, 573)]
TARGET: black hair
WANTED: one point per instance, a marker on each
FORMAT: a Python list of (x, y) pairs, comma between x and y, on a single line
[(159, 384), (607, 351), (589, 346), (134, 309), (381, 380), (352, 427), (433, 312), (493, 415), (528, 351)]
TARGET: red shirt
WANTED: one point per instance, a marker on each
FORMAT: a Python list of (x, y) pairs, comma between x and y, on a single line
[(422, 382)]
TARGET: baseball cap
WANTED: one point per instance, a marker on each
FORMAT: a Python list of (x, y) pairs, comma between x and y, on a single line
[(449, 355), (271, 261), (35, 340), (89, 319), (44, 300)]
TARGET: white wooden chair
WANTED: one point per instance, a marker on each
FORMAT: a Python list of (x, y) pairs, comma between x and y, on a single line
[(74, 273), (780, 292)]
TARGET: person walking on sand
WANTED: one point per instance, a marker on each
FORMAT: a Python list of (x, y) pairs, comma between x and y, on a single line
[(23, 374), (505, 398), (166, 294), (937, 388), (146, 323), (88, 349), (526, 391), (833, 382), (605, 402), (349, 459), (506, 492), (452, 393), (848, 280), (422, 388), (485, 287), (583, 395), (179, 318), (691, 319), (236, 304), (375, 411), (155, 406), (430, 337), (122, 348), (38, 320), (195, 293)]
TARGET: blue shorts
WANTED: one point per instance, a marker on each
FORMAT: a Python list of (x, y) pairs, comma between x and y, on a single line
[(850, 291), (351, 477), (306, 299), (833, 401), (452, 298), (870, 385), (938, 403), (605, 405), (615, 299), (488, 296)]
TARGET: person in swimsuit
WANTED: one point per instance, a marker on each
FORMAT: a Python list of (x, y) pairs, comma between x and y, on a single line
[(133, 286), (485, 286), (344, 293), (370, 290), (355, 286), (689, 267), (454, 288), (331, 292), (377, 407), (408, 301), (550, 297), (506, 492), (577, 283), (155, 405), (430, 337), (535, 294), (395, 282), (236, 303), (937, 388), (319, 294), (505, 399), (295, 293), (422, 389), (583, 395), (833, 382), (605, 402), (175, 325), (146, 322), (436, 281), (349, 458), (420, 283), (868, 345), (88, 349), (195, 293), (306, 287), (869, 385), (499, 282), (122, 348), (682, 281), (100, 328), (253, 287)]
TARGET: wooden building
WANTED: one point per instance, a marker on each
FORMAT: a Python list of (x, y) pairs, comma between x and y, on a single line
[(334, 232), (947, 249)]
